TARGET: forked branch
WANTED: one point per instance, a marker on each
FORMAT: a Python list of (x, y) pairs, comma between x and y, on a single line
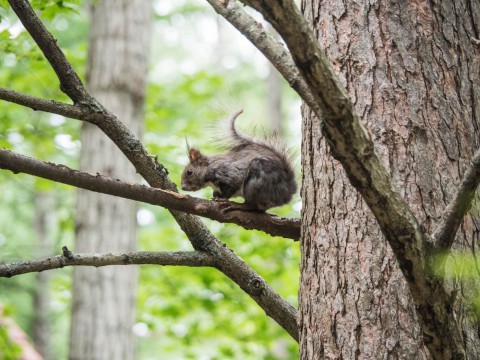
[(70, 82)]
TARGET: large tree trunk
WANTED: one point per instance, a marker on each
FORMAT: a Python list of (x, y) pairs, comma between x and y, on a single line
[(413, 73), (104, 300)]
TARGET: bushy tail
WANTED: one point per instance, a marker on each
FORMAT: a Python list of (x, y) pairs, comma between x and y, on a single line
[(237, 138)]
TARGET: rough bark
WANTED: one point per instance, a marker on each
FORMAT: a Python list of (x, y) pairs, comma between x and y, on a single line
[(104, 300), (412, 73)]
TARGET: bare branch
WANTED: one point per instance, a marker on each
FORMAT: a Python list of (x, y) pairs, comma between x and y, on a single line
[(349, 141), (51, 106), (458, 207), (268, 223), (323, 93), (271, 224), (273, 50), (180, 258)]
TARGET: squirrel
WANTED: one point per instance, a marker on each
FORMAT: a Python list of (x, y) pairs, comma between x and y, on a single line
[(255, 169)]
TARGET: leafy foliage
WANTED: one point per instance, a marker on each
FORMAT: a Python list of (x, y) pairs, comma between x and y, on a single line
[(8, 349), (465, 266), (184, 313)]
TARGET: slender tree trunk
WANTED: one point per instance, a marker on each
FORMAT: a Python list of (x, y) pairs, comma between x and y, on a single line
[(413, 74), (104, 300), (274, 84), (274, 95), (41, 320)]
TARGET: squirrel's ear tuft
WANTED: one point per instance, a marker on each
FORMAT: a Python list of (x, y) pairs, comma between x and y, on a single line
[(194, 155)]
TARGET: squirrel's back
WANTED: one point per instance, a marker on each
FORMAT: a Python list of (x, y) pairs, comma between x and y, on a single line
[(270, 180)]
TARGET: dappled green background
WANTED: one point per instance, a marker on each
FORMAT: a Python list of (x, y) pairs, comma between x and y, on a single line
[(201, 69)]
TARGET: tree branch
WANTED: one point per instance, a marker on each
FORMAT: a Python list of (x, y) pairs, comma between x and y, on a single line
[(270, 47), (268, 223), (180, 258), (458, 207), (156, 175), (51, 106)]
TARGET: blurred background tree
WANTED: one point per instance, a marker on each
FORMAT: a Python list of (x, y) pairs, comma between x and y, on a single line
[(200, 69), (104, 299)]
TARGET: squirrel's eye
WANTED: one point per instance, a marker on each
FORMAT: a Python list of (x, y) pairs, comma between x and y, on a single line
[(189, 172)]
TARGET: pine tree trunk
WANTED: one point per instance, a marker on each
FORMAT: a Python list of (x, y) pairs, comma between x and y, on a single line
[(104, 299), (412, 72)]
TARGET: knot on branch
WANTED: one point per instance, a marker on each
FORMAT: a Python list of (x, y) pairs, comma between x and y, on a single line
[(67, 253), (256, 285)]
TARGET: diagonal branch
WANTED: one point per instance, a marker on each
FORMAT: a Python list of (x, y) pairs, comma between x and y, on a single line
[(458, 207), (268, 45), (156, 175), (179, 258), (270, 224), (322, 92)]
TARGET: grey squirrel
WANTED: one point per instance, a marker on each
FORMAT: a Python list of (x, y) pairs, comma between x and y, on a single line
[(255, 169)]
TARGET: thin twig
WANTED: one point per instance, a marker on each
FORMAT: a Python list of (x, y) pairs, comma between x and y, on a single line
[(180, 258), (271, 224)]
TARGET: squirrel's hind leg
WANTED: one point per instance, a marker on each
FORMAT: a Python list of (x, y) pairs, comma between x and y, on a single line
[(227, 206)]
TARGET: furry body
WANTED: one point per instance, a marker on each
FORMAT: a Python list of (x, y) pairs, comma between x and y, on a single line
[(255, 169)]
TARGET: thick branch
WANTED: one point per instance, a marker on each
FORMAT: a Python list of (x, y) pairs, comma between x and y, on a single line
[(323, 93), (180, 258), (458, 207), (156, 175), (270, 224)]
